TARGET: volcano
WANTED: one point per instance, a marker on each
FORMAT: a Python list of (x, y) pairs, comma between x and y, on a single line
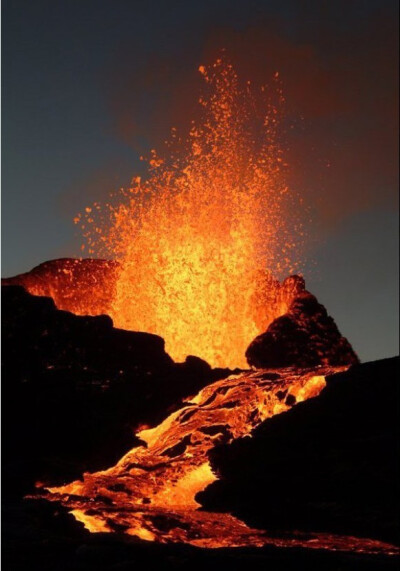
[(179, 394)]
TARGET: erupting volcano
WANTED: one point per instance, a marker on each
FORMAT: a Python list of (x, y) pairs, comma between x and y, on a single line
[(193, 253), (199, 240)]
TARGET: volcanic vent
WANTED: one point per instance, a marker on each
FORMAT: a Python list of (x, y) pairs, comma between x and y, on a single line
[(197, 242)]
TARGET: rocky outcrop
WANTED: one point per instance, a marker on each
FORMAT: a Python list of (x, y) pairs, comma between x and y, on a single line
[(303, 336), (306, 336), (75, 388), (83, 286), (328, 464)]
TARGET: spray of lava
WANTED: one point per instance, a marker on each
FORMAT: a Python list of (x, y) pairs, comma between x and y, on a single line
[(200, 238)]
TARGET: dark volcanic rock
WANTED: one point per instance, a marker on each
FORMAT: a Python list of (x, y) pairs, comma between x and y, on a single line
[(305, 336), (328, 464), (75, 388)]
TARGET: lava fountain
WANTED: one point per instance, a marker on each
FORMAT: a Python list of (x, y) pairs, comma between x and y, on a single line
[(198, 241)]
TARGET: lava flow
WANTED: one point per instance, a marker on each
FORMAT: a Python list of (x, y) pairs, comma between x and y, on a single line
[(151, 491)]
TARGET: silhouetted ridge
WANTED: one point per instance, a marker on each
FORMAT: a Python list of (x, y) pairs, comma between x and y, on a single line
[(305, 336), (75, 389)]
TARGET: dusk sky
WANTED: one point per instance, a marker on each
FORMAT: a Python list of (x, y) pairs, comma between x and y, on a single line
[(90, 85)]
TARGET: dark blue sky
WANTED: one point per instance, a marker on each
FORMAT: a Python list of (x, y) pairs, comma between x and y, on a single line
[(89, 85)]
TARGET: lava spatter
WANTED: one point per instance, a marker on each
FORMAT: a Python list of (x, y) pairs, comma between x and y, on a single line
[(194, 248), (198, 238)]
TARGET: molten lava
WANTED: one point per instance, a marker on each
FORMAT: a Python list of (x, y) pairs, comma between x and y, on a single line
[(151, 491), (195, 247), (200, 238), (164, 475)]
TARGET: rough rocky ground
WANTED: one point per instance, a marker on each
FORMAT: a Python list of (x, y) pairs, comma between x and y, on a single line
[(75, 389), (304, 337), (328, 464)]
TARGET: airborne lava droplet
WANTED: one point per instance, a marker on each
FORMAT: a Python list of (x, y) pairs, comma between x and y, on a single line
[(199, 239)]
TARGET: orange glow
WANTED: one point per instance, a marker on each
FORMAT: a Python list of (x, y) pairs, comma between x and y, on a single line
[(199, 239), (197, 246), (150, 493), (162, 477), (312, 388), (93, 524), (84, 287)]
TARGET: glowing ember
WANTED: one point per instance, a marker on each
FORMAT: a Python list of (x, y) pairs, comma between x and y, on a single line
[(199, 239)]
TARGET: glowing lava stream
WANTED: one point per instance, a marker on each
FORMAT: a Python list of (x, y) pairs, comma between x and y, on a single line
[(150, 493)]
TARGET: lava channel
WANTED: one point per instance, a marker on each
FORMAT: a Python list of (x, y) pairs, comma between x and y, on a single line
[(151, 491)]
